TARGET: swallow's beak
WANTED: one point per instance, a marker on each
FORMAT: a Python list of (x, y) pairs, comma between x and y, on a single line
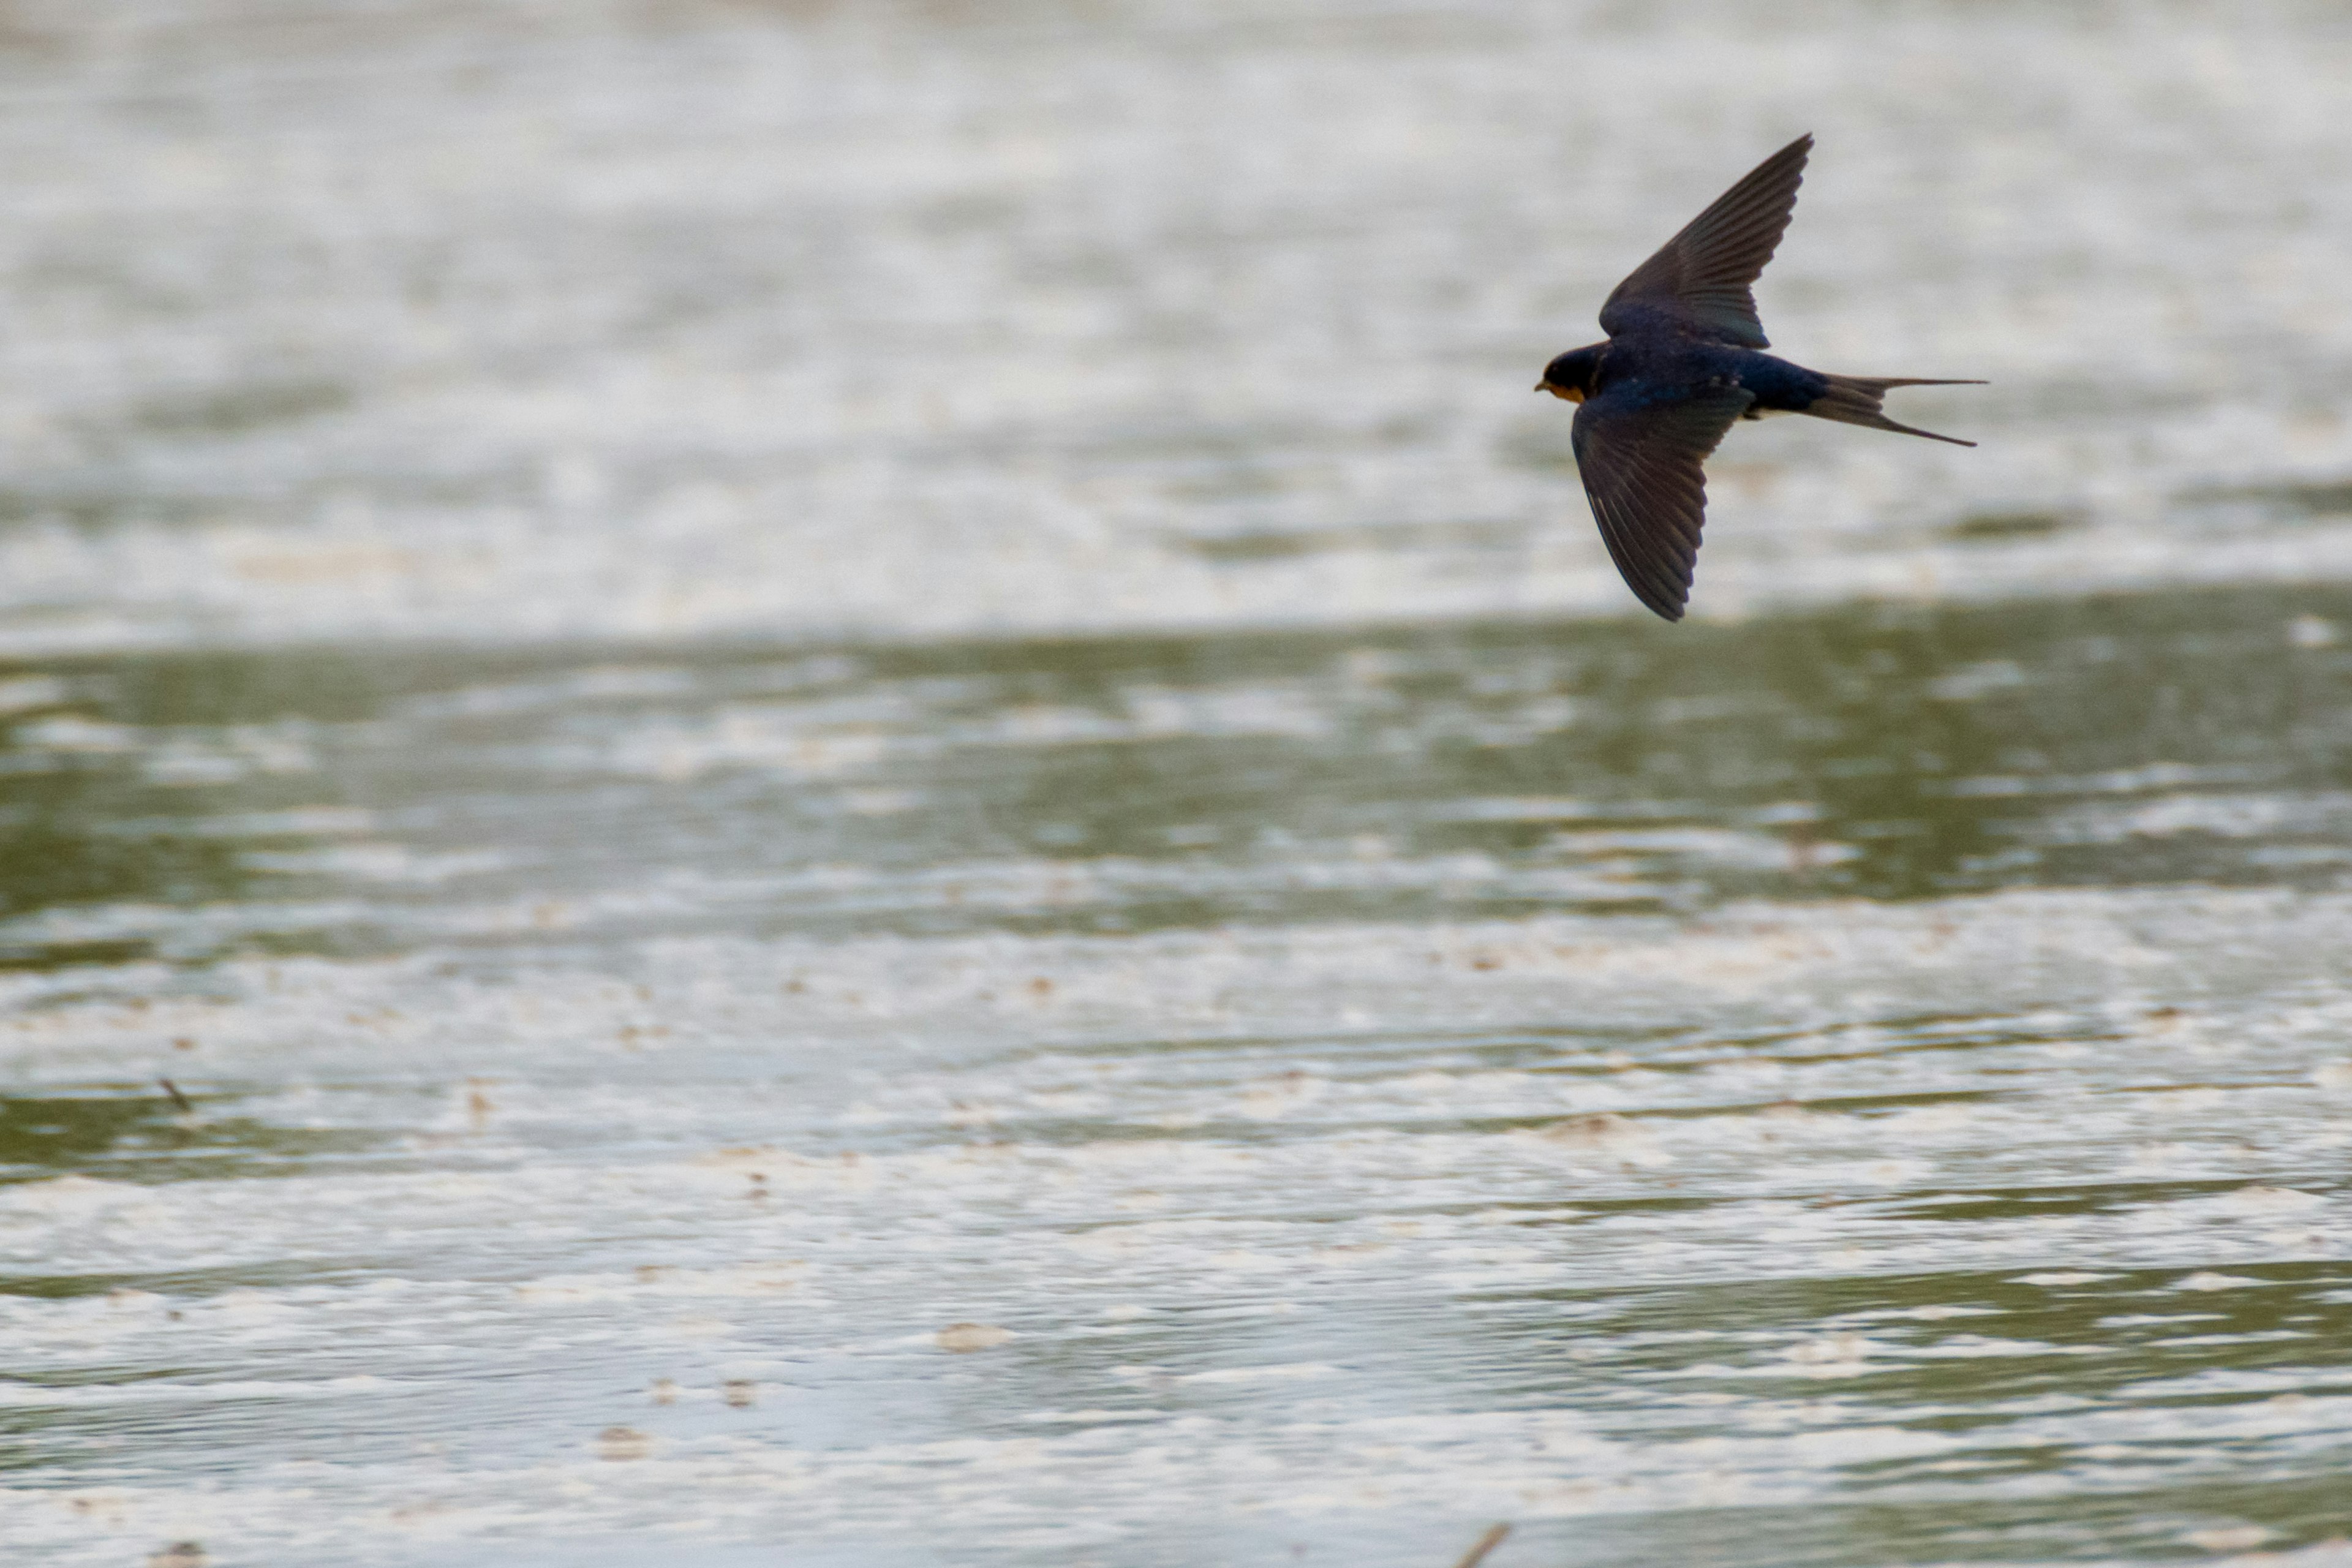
[(1570, 393)]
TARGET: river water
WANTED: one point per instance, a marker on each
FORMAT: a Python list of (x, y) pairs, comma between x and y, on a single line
[(854, 784)]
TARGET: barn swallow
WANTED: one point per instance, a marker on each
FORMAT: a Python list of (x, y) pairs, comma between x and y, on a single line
[(1681, 366)]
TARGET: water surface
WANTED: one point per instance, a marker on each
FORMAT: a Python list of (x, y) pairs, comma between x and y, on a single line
[(854, 786)]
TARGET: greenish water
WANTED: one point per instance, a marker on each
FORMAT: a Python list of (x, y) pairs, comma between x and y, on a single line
[(1855, 1085), (854, 786), (1475, 771)]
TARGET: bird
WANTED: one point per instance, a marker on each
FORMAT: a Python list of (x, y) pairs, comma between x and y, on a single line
[(1682, 364)]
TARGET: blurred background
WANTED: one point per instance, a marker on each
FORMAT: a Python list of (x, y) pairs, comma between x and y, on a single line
[(854, 784)]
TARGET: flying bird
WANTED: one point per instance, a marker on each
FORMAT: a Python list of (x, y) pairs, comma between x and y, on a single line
[(1681, 366)]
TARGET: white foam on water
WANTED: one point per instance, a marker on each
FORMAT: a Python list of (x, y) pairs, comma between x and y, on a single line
[(800, 1201), (872, 325)]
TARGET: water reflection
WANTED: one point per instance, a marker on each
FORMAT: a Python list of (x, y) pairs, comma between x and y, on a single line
[(338, 801), (768, 954), (142, 1134)]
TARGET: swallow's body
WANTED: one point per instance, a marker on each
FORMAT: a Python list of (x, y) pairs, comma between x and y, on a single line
[(1681, 366), (1646, 367)]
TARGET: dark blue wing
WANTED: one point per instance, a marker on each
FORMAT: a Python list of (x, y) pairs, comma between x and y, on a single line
[(1640, 461), (1700, 282)]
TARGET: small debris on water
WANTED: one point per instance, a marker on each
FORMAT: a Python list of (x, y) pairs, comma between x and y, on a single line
[(972, 1337), (1601, 1129), (664, 1392), (2206, 1280), (1804, 848), (739, 1393), (1827, 1350), (2228, 1537), (620, 1442), (2311, 631), (179, 1555), (1483, 1545)]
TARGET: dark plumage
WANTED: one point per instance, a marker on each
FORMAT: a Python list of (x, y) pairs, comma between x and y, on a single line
[(1681, 366)]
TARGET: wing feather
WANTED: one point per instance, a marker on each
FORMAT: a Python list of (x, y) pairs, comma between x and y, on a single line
[(1641, 467), (1702, 279)]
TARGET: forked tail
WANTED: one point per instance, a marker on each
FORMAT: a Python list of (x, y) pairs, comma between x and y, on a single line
[(1858, 400)]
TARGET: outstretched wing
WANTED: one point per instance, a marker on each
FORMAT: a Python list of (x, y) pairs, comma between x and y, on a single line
[(1699, 281), (1641, 462)]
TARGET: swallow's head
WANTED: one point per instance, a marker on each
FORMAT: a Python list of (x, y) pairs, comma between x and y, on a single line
[(1571, 374)]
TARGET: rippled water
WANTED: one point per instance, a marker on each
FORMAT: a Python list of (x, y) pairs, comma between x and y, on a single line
[(854, 785)]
